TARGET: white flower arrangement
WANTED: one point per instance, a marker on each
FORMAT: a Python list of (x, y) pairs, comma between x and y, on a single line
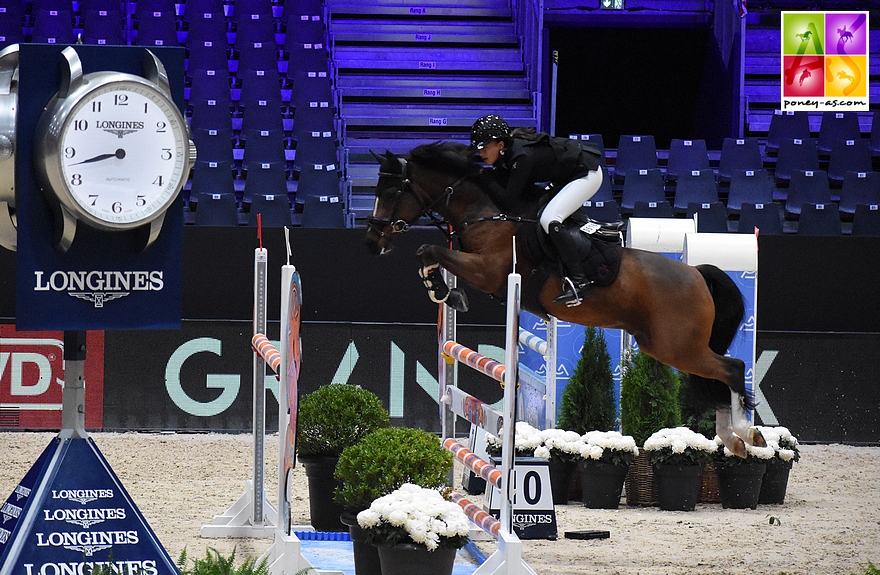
[(608, 446), (754, 454), (414, 514), (545, 443), (679, 446), (783, 442)]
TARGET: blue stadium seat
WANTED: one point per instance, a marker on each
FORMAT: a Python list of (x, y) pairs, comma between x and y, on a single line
[(211, 177), (711, 217), (256, 55), (696, 186), (102, 27), (274, 210), (837, 126), (819, 220), (210, 115), (318, 180), (605, 193), (315, 148), (216, 210), (661, 209), (739, 154), (807, 187), (643, 185), (213, 145), (211, 85), (597, 141), (602, 210), (749, 186), (11, 21), (155, 27), (634, 153), (765, 217), (848, 156), (686, 156), (783, 125), (263, 179), (254, 27), (859, 188), (795, 154), (53, 26), (263, 146), (866, 220), (323, 212)]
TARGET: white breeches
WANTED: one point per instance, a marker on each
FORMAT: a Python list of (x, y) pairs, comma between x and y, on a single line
[(571, 197)]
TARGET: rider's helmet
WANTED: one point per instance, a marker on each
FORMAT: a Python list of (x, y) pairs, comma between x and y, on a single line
[(487, 129)]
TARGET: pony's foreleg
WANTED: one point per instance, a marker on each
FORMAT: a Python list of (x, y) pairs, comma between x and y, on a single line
[(439, 291), (734, 428)]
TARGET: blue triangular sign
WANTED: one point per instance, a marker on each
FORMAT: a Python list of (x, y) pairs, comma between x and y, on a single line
[(70, 513)]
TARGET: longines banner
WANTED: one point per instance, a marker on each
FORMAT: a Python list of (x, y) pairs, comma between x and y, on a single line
[(105, 280)]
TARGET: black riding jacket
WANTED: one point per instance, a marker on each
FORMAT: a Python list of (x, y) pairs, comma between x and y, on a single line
[(546, 159)]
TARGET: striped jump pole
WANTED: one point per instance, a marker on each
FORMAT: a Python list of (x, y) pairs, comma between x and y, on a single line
[(267, 351), (477, 361), (476, 514), (532, 341), (473, 462)]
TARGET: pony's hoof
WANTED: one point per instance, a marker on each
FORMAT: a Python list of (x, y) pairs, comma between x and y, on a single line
[(736, 446), (457, 300), (756, 438)]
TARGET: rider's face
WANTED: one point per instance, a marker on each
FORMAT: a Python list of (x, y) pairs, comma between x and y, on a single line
[(491, 151)]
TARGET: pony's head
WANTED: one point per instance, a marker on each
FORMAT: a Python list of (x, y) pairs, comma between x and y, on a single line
[(413, 186)]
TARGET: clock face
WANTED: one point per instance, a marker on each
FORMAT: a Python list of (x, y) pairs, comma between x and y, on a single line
[(122, 153)]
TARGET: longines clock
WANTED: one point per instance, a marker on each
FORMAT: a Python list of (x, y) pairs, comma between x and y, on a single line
[(111, 150)]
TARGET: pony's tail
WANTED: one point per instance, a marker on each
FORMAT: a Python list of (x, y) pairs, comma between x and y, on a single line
[(729, 312)]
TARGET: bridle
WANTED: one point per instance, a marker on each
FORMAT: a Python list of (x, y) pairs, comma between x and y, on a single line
[(399, 225)]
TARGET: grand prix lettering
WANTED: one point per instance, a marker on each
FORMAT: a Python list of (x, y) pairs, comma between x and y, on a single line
[(29, 367)]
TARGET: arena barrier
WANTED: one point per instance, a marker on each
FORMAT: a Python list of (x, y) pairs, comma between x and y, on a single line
[(507, 559)]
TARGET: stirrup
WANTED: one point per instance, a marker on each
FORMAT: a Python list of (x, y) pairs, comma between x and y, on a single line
[(572, 296)]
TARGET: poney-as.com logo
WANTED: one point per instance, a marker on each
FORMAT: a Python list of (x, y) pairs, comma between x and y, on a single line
[(825, 61)]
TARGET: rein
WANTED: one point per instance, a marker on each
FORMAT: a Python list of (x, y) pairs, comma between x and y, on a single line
[(397, 226)]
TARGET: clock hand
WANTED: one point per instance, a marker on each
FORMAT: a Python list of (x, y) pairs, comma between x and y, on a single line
[(120, 153)]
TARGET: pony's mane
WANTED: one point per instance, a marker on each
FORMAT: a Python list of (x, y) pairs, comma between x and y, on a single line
[(450, 157)]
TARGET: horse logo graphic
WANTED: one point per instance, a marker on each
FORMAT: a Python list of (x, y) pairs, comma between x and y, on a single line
[(844, 34)]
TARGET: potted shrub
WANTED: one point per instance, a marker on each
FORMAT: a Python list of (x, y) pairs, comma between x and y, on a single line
[(649, 402), (739, 478), (330, 419), (380, 463), (588, 402), (775, 481), (604, 462), (416, 530), (678, 456), (588, 398)]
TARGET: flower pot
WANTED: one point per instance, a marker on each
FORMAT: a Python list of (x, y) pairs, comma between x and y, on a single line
[(678, 486), (740, 484), (561, 478), (366, 555), (775, 482), (323, 510), (409, 558), (601, 484)]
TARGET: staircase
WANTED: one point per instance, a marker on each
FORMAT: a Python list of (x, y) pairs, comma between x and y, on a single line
[(408, 75)]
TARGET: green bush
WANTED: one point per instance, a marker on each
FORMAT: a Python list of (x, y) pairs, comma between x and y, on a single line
[(588, 399), (386, 459), (694, 417), (649, 397), (336, 416), (216, 564)]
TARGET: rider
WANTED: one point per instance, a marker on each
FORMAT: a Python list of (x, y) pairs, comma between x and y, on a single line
[(523, 157)]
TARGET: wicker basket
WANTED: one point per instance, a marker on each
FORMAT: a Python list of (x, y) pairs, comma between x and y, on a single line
[(640, 487), (709, 492)]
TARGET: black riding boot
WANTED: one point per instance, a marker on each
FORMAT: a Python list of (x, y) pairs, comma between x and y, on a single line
[(575, 286)]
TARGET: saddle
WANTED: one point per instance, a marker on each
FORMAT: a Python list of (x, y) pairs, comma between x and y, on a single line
[(600, 245)]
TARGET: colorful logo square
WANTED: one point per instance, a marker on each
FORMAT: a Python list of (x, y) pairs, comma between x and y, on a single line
[(824, 58)]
